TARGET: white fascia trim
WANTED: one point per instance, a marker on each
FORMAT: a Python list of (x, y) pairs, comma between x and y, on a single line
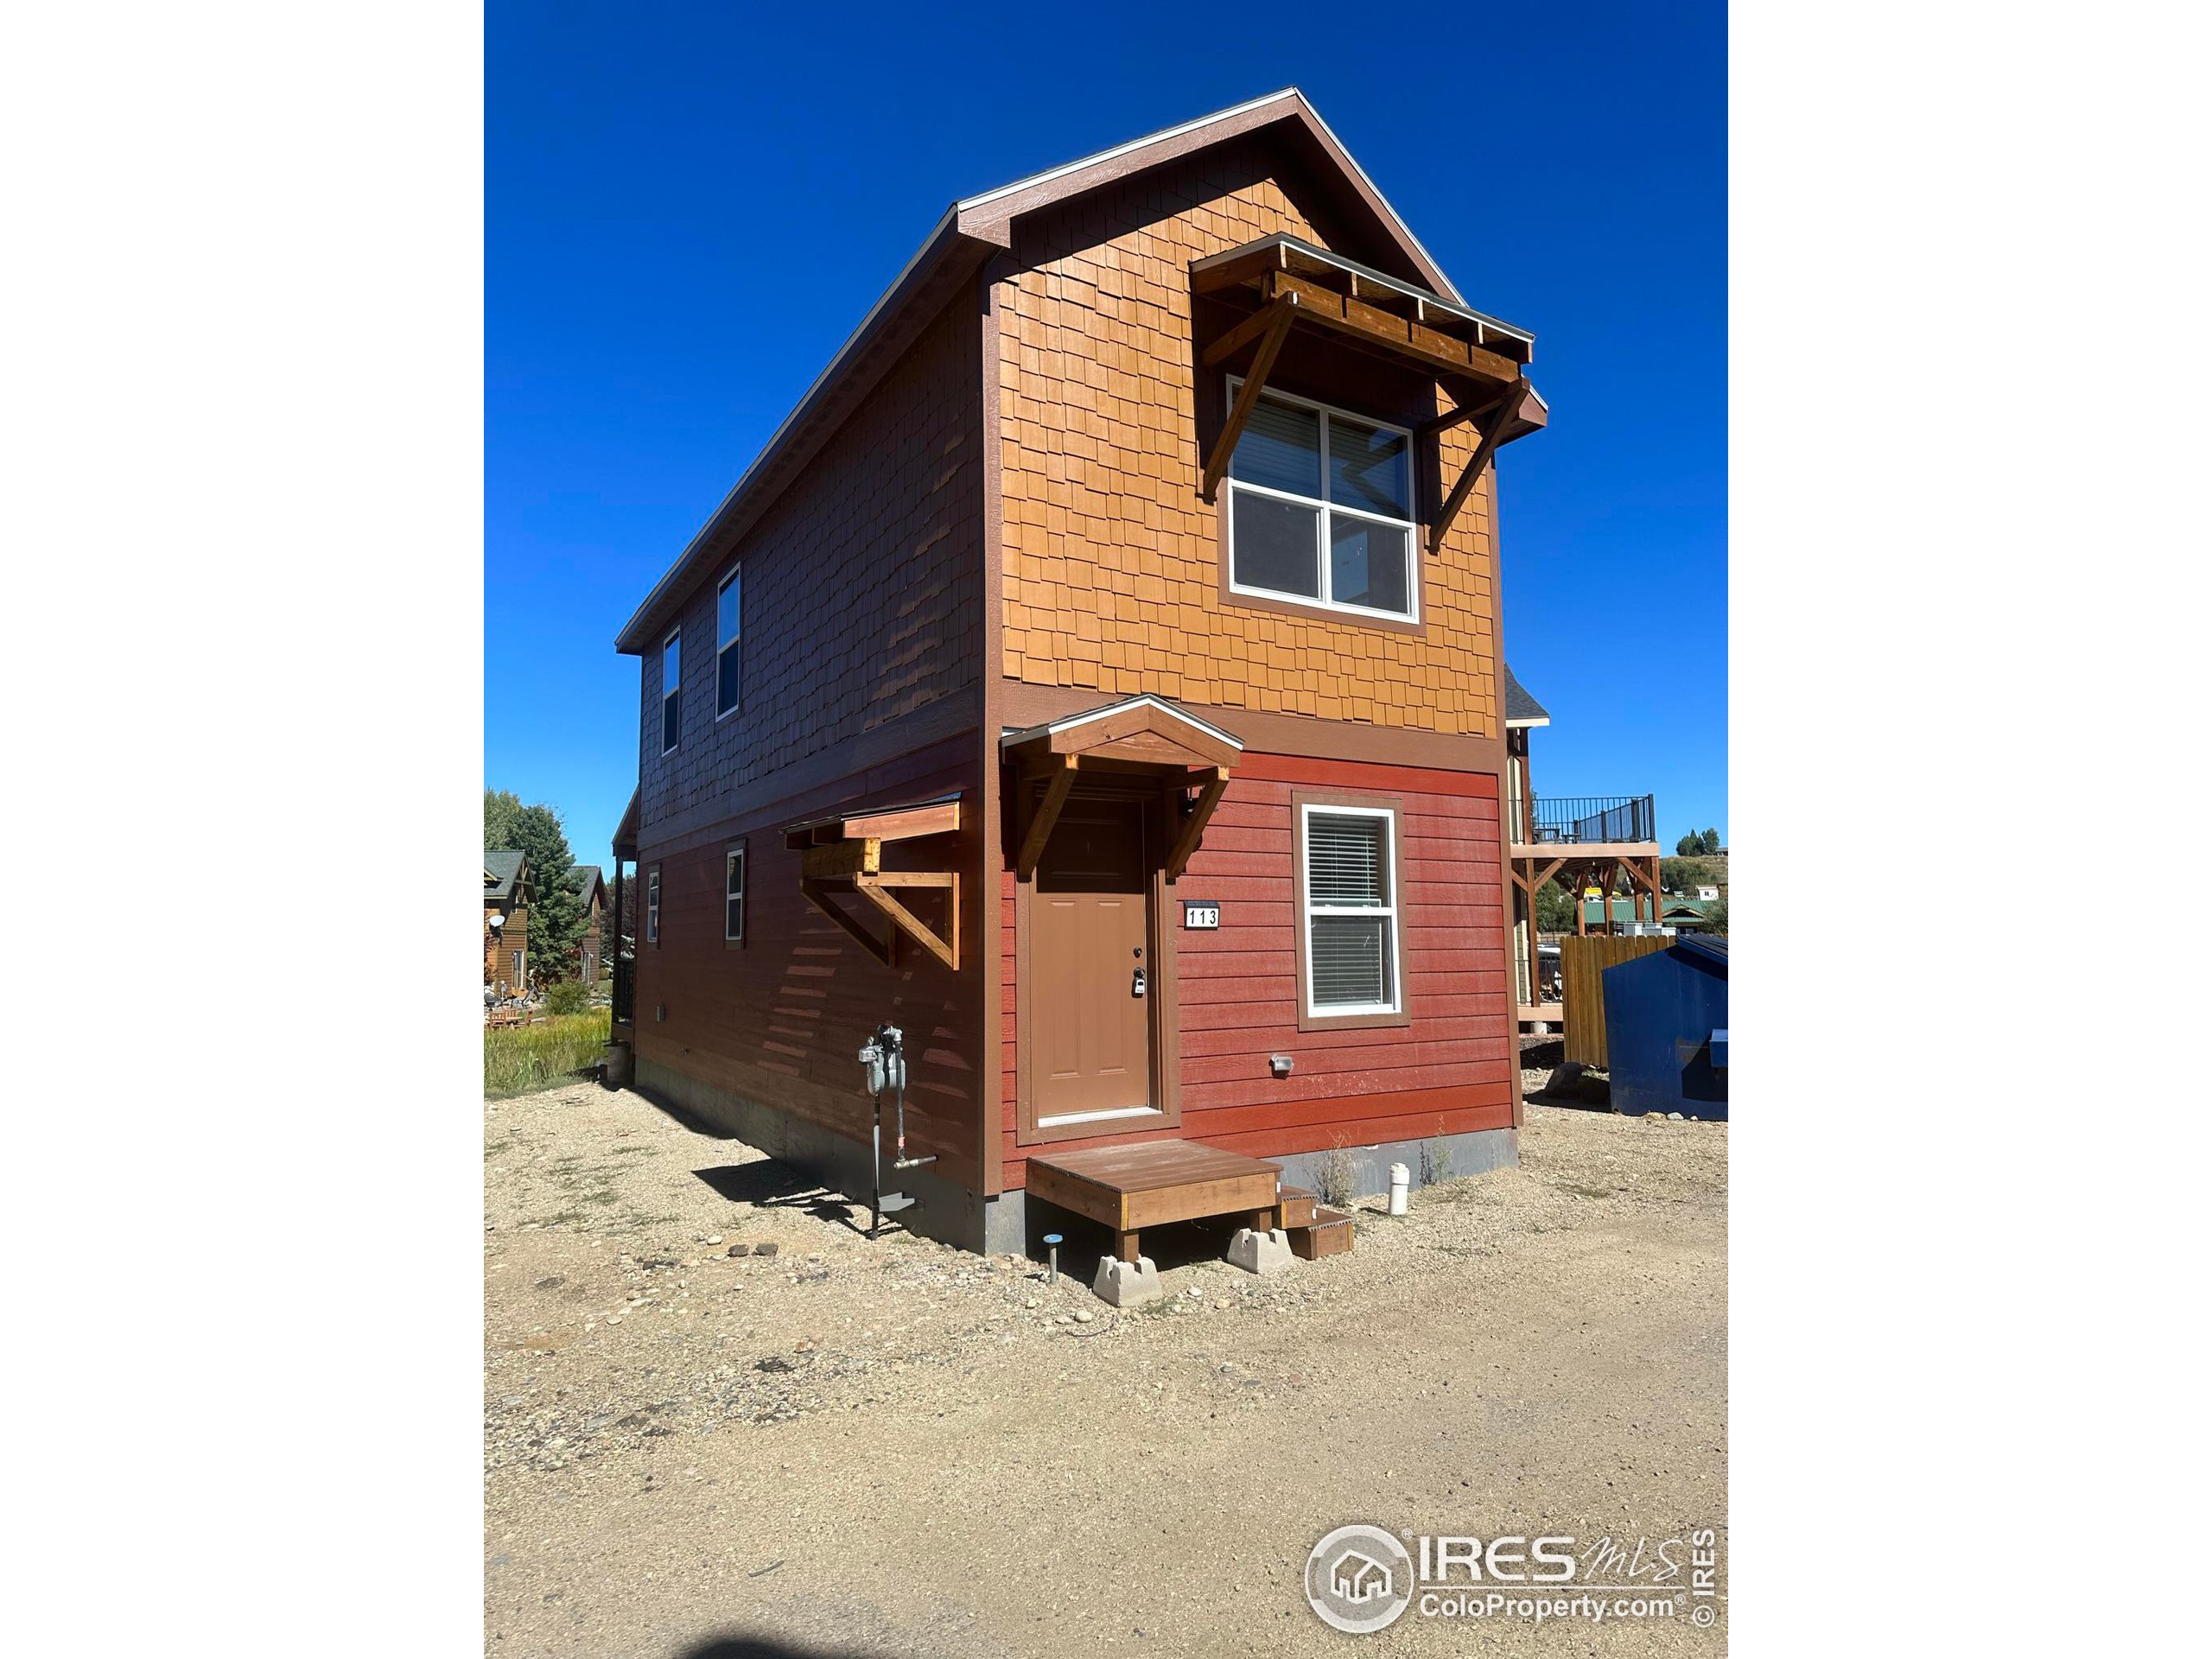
[(1133, 145), (798, 409), (1141, 699), (1525, 725), (1451, 290)]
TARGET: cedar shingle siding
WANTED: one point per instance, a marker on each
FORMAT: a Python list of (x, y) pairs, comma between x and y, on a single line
[(863, 593), (1113, 562)]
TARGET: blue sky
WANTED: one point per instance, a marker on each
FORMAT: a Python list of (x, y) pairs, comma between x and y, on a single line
[(689, 207)]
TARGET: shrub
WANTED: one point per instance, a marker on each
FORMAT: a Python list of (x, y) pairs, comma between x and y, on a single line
[(1332, 1179), (567, 997)]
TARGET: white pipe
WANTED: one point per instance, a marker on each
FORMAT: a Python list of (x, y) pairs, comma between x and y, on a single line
[(1401, 1178)]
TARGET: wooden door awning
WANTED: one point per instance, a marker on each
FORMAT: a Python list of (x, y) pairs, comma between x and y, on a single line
[(1478, 361), (1138, 735), (844, 853)]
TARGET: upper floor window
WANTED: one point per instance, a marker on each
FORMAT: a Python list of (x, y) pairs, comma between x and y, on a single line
[(733, 894), (1320, 510), (729, 609), (672, 683)]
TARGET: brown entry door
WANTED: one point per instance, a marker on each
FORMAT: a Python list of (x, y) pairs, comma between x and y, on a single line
[(1090, 1020)]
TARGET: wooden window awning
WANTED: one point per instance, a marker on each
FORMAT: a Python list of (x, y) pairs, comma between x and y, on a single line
[(844, 854), (1478, 359), (1137, 734)]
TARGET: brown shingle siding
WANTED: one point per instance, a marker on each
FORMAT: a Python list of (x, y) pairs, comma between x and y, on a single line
[(863, 591)]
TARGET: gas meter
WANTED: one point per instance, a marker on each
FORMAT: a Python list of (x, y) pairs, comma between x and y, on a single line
[(883, 1062)]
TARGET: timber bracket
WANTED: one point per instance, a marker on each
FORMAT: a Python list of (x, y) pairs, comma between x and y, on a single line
[(845, 855)]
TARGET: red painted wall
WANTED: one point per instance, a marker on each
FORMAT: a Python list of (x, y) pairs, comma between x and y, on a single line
[(1446, 1073)]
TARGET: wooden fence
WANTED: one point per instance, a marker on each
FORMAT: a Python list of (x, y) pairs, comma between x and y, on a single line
[(1581, 963)]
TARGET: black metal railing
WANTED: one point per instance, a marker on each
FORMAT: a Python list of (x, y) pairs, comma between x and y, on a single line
[(1572, 819), (625, 989)]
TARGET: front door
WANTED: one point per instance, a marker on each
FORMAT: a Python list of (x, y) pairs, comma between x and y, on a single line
[(1091, 1017)]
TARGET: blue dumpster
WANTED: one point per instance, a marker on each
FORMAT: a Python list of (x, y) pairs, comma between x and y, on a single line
[(1667, 1030)]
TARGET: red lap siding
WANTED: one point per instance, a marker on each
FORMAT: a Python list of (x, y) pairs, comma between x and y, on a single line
[(1445, 1073)]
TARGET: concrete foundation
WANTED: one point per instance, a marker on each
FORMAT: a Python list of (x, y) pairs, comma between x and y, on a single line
[(616, 1072), (1128, 1284), (1257, 1252), (1009, 1225), (942, 1209), (1447, 1157)]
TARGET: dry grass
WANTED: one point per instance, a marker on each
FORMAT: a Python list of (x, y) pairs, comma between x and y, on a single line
[(1332, 1182), (521, 1059)]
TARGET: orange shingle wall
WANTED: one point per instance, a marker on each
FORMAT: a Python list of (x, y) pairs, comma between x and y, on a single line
[(1112, 559)]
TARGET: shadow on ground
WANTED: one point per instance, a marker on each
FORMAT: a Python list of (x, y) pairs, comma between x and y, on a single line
[(771, 1184), (765, 1646)]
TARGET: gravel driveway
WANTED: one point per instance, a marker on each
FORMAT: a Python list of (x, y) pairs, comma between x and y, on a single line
[(888, 1447)]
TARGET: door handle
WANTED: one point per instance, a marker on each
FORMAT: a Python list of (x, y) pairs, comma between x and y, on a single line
[(1137, 983)]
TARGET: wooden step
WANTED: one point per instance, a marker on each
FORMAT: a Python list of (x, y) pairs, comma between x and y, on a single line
[(1298, 1207), (1330, 1235)]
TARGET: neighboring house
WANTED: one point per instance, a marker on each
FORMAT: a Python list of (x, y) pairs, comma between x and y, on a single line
[(507, 894), (1099, 676), (587, 881), (1608, 842)]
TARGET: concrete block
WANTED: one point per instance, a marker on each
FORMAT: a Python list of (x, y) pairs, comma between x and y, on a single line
[(1128, 1284), (1260, 1252)]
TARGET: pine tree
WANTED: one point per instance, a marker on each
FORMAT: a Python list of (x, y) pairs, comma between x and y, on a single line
[(557, 913)]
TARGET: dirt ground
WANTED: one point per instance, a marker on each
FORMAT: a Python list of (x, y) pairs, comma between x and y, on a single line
[(888, 1446)]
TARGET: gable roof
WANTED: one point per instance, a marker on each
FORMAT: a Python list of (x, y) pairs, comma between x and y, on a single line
[(1521, 708), (972, 229), (503, 866), (583, 877)]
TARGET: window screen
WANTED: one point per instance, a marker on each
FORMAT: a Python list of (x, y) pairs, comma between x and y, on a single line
[(1351, 912)]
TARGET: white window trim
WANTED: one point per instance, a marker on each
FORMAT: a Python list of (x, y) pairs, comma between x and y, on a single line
[(652, 906), (733, 855), (675, 638), (1412, 527), (722, 648), (1393, 956)]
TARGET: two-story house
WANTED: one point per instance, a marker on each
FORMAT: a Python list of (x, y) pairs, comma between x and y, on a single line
[(508, 889), (1097, 675), (588, 882)]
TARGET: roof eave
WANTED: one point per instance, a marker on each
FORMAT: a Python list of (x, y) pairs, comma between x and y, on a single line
[(949, 253), (970, 231)]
